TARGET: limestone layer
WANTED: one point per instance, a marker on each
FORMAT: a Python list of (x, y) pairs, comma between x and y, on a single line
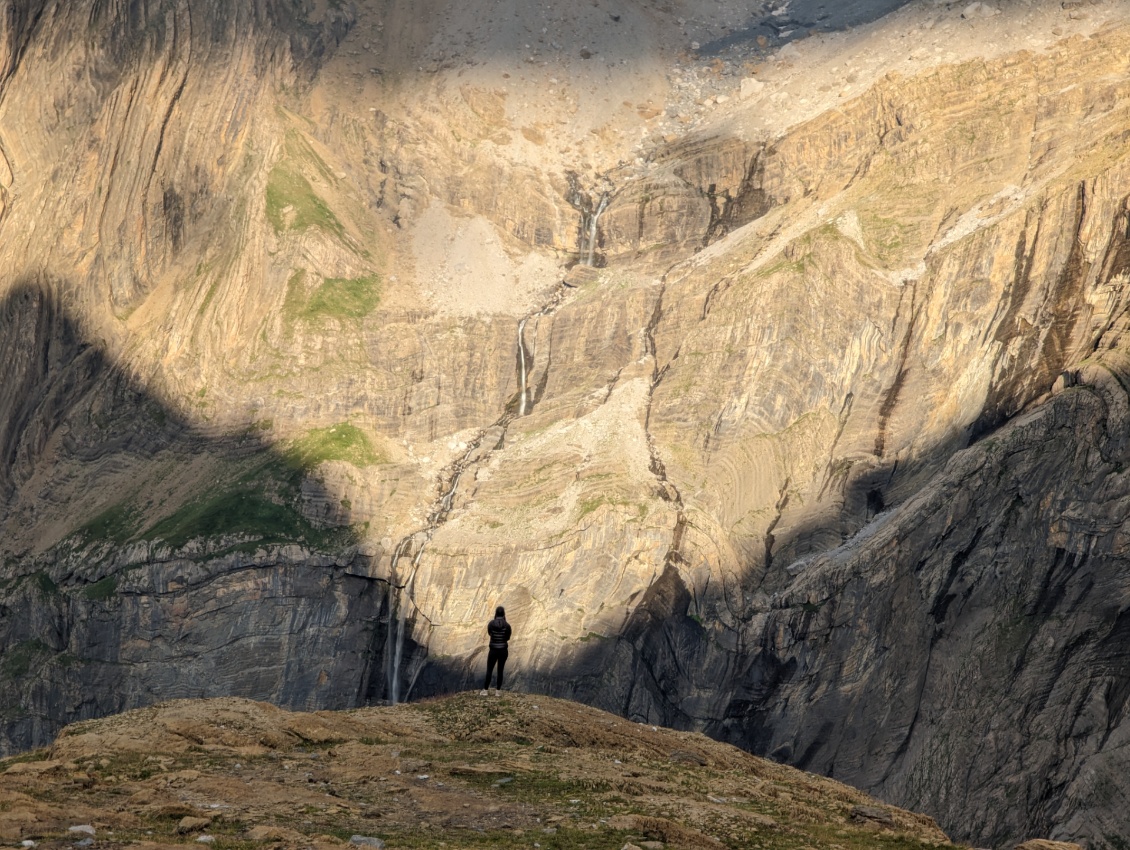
[(796, 419)]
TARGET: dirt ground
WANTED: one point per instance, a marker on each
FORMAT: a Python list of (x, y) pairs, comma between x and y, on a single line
[(513, 770)]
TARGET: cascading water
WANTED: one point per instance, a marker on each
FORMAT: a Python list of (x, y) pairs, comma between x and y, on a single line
[(589, 235), (522, 378), (401, 595), (589, 250), (403, 598), (397, 613), (402, 588)]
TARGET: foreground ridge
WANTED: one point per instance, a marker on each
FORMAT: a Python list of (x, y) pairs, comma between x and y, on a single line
[(504, 770)]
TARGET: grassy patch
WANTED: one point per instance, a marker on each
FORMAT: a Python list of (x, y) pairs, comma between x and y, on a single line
[(292, 203), (295, 301), (344, 298), (240, 510), (588, 506), (337, 298), (24, 758), (102, 590), (116, 524), (344, 442), (257, 502), (562, 839), (44, 583)]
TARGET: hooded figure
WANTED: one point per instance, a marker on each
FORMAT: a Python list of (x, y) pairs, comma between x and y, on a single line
[(499, 631)]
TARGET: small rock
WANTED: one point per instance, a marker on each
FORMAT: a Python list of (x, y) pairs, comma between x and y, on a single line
[(630, 846), (192, 824), (27, 842), (979, 10), (652, 845), (83, 828), (205, 839), (367, 841), (687, 757), (86, 842), (872, 814), (264, 833)]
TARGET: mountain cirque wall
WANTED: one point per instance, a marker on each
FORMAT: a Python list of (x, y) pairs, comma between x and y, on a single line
[(823, 456)]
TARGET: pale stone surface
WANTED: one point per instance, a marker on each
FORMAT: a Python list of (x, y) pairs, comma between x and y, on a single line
[(824, 458)]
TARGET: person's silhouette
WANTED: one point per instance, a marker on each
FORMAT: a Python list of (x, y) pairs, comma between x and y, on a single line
[(499, 631)]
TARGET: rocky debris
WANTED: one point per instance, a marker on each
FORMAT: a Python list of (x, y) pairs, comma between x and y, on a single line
[(870, 814), (581, 776), (687, 757), (1044, 844), (979, 10), (189, 824), (751, 88)]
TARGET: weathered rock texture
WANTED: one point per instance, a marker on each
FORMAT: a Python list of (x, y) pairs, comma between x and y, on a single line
[(824, 452), (501, 769)]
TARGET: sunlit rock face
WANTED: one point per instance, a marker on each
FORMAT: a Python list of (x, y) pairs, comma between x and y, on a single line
[(775, 386)]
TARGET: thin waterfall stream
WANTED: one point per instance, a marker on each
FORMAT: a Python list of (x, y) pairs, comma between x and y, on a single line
[(589, 248), (588, 236), (522, 377), (401, 593)]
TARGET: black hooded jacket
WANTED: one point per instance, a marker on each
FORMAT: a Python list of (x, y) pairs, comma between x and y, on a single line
[(499, 631)]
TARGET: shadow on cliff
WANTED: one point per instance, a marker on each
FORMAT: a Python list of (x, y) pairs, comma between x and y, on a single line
[(781, 23), (967, 645), (109, 599)]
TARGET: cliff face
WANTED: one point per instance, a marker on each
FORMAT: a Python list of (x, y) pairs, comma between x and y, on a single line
[(775, 388)]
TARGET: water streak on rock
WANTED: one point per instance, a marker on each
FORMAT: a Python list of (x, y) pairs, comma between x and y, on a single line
[(522, 377), (589, 235), (589, 247)]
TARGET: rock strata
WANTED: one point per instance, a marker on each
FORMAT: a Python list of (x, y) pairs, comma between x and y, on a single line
[(797, 417)]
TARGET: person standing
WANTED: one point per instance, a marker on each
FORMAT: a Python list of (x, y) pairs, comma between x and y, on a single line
[(499, 631)]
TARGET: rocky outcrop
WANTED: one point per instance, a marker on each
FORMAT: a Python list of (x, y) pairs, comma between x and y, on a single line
[(817, 446), (441, 760)]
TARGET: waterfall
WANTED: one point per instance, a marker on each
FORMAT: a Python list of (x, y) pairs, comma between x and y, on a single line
[(403, 598), (401, 595), (399, 598), (588, 250), (582, 202), (522, 400), (402, 585)]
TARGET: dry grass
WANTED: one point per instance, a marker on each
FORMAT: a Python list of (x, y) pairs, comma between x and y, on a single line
[(465, 771)]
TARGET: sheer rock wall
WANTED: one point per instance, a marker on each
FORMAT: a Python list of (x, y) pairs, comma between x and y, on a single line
[(824, 454)]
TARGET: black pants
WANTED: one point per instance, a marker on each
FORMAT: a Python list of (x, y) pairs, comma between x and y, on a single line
[(495, 656)]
